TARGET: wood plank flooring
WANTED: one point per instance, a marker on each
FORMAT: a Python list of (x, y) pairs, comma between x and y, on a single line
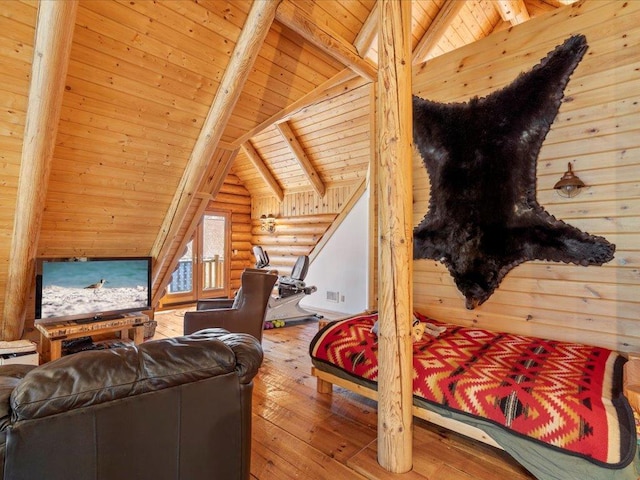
[(301, 434)]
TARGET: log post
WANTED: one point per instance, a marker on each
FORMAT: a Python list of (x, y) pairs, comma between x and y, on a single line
[(54, 34), (394, 134)]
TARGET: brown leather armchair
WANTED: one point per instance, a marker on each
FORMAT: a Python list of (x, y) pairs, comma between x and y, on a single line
[(171, 409), (247, 312)]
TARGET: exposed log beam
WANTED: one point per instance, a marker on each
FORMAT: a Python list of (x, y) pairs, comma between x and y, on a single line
[(368, 34), (246, 51), (436, 30), (302, 158), (255, 159), (217, 172), (395, 216), (54, 34), (324, 38), (512, 11), (322, 92)]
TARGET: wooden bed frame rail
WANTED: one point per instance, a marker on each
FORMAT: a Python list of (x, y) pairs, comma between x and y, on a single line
[(327, 380)]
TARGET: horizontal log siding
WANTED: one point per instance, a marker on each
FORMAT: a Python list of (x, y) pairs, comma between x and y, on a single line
[(235, 199), (294, 236), (597, 131), (301, 220)]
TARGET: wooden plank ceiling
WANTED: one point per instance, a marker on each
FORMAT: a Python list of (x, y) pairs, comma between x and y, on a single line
[(149, 108)]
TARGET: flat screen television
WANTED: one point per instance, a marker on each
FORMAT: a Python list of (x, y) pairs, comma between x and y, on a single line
[(89, 289)]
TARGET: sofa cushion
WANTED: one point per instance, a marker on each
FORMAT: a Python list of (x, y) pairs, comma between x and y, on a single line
[(98, 376)]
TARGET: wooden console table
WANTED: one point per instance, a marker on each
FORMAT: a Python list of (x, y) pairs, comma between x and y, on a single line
[(52, 335)]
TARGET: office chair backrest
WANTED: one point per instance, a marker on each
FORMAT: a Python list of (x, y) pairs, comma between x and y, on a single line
[(300, 268), (262, 259)]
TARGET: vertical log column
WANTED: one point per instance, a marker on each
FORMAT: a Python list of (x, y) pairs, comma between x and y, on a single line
[(394, 133)]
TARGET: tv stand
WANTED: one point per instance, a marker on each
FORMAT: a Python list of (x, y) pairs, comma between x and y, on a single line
[(52, 335), (100, 318)]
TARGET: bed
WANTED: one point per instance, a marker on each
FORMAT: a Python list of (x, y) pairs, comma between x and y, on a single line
[(556, 407)]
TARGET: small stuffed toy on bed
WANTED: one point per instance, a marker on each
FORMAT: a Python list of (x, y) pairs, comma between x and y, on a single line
[(418, 329)]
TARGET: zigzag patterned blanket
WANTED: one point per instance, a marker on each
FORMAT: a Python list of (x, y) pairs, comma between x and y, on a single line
[(565, 395)]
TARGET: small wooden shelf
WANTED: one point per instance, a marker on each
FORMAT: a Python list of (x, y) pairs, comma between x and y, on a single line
[(52, 335)]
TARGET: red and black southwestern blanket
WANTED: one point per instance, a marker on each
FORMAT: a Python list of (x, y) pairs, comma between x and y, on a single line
[(562, 394)]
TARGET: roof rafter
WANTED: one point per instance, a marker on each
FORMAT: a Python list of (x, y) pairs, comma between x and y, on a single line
[(255, 159), (54, 34), (436, 30), (246, 51), (302, 158), (368, 34), (325, 39)]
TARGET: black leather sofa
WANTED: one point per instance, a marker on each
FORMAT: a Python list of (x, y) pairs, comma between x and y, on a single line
[(176, 408)]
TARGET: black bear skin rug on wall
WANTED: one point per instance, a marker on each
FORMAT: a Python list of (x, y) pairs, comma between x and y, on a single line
[(483, 217)]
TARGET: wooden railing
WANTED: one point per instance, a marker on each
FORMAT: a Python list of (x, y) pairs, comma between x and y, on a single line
[(212, 271)]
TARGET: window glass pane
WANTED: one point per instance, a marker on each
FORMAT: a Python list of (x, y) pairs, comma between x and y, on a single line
[(182, 278), (213, 252)]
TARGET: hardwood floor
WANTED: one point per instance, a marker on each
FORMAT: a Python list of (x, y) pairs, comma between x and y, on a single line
[(301, 434)]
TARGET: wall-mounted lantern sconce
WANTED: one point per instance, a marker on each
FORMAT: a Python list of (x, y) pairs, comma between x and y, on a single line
[(268, 223), (569, 185)]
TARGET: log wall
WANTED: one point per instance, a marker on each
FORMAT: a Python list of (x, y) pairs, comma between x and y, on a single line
[(597, 131), (235, 199), (302, 219)]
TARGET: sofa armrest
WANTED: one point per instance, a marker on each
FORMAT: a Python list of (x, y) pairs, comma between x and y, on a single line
[(10, 378)]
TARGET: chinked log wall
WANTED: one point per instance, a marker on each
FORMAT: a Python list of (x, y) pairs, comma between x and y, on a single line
[(302, 219), (597, 131), (235, 199)]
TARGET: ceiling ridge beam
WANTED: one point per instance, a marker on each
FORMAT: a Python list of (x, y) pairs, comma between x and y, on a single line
[(244, 54), (321, 92), (447, 14), (257, 161), (325, 39), (301, 157), (51, 52)]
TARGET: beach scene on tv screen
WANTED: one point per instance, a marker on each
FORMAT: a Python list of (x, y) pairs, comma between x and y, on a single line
[(77, 288)]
